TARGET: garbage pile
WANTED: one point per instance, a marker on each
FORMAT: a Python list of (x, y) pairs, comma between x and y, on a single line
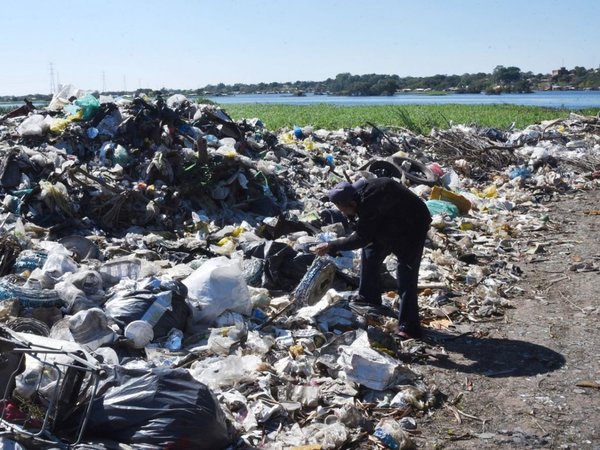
[(156, 258)]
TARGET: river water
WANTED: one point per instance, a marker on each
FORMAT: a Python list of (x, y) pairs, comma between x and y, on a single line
[(548, 99)]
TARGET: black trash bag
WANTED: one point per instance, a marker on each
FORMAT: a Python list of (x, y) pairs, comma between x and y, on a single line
[(284, 267), (124, 309), (11, 167), (157, 408), (286, 224)]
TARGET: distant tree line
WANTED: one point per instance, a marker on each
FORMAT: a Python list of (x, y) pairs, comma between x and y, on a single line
[(502, 79)]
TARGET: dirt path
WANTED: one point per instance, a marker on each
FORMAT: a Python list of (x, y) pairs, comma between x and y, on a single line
[(518, 379)]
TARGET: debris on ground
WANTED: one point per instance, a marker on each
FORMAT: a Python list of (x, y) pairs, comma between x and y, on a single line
[(158, 247)]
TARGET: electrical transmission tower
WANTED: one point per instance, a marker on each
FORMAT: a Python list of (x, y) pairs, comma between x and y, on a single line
[(52, 85)]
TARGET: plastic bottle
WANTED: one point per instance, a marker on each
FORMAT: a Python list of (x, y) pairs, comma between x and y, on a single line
[(174, 340), (92, 132), (121, 156), (158, 308), (141, 332), (211, 140)]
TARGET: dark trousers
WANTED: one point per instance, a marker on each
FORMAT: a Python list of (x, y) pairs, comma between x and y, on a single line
[(407, 274)]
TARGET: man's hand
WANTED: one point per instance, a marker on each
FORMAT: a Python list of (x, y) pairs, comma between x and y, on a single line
[(320, 249)]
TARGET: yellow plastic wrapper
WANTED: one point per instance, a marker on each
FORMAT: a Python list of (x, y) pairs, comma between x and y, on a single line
[(238, 230), (224, 241), (60, 125), (466, 226), (488, 192), (287, 138), (296, 350), (309, 144)]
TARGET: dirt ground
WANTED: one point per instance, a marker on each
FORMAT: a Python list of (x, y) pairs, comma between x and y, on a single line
[(530, 380)]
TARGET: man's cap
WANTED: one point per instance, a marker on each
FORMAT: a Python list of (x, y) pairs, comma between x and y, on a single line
[(344, 192)]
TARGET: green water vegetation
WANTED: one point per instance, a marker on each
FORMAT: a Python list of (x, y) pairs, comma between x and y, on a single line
[(417, 118)]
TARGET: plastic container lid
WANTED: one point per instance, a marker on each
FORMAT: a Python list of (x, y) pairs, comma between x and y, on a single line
[(140, 333)]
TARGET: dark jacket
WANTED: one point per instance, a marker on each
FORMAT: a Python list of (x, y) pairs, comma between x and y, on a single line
[(389, 215)]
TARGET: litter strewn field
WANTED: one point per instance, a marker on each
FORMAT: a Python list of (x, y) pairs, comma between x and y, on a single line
[(156, 247)]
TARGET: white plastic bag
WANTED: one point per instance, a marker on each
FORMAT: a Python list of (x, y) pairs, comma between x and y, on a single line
[(57, 265), (215, 287), (369, 368), (219, 372), (34, 125), (61, 98)]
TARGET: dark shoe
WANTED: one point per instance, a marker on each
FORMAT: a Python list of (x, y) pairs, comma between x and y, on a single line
[(405, 332), (366, 308), (359, 299)]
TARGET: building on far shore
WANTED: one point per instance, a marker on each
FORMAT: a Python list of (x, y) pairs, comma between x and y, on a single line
[(560, 72)]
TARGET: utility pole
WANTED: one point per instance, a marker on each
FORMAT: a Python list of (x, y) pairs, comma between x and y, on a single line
[(52, 87), (103, 82)]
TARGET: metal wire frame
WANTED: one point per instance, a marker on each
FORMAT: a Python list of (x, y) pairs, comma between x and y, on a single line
[(45, 434)]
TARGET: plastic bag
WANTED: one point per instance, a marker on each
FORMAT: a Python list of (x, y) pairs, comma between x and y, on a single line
[(37, 378), (231, 370), (330, 436), (463, 204), (81, 290), (34, 125), (442, 207), (90, 328), (130, 306), (58, 264), (284, 267), (215, 287), (74, 298), (365, 366), (53, 269), (56, 197), (61, 98), (89, 105), (60, 125), (391, 434), (166, 408)]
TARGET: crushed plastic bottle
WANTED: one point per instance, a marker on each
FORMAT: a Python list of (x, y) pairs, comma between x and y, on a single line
[(174, 340)]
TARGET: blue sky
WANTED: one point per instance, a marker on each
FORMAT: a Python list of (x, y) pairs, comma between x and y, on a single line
[(188, 44)]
